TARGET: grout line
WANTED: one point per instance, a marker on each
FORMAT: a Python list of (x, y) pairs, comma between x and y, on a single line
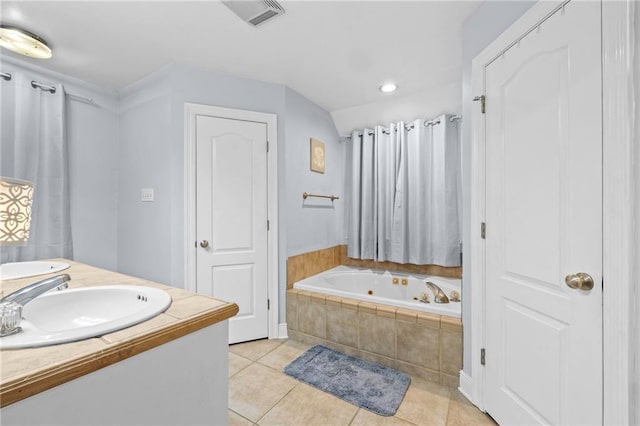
[(354, 416), (277, 402), (235, 412)]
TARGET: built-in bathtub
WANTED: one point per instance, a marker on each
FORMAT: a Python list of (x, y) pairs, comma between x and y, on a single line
[(389, 326), (384, 287)]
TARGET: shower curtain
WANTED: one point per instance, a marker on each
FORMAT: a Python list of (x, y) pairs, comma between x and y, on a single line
[(34, 148), (404, 193)]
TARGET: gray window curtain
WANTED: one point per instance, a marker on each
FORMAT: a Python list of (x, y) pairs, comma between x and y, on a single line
[(34, 148), (404, 193)]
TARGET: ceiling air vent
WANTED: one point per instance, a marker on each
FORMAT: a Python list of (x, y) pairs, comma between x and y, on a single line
[(254, 12)]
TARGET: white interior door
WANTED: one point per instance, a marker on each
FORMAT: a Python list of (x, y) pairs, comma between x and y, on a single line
[(231, 220), (544, 223)]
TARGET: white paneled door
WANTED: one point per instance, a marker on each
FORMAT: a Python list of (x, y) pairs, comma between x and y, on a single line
[(231, 222), (544, 224)]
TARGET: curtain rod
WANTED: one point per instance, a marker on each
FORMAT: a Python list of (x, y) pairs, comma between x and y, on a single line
[(51, 89), (409, 127)]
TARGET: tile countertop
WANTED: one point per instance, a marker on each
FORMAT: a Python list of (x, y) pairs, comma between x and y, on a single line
[(26, 372)]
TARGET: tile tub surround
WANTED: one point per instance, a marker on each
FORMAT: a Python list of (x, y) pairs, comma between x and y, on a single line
[(420, 344), (305, 265)]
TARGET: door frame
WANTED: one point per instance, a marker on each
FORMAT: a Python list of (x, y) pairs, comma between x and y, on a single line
[(191, 111), (619, 186)]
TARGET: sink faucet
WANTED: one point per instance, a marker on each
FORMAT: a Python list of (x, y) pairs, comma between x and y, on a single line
[(11, 305), (438, 294), (30, 292)]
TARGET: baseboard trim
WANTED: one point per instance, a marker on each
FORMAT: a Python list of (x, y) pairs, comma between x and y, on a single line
[(282, 331), (466, 386)]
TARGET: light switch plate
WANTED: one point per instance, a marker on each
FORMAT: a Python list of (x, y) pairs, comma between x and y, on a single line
[(146, 194)]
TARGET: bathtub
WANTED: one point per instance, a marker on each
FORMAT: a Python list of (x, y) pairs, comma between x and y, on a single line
[(383, 287)]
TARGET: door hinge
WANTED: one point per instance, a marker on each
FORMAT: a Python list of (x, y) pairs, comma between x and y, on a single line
[(482, 355), (483, 231), (268, 304), (268, 224), (267, 146), (482, 102), (196, 244)]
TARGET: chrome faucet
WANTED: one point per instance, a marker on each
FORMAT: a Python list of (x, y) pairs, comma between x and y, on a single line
[(30, 292), (438, 294), (11, 305)]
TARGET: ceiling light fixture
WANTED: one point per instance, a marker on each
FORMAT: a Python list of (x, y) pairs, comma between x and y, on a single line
[(388, 87), (23, 42)]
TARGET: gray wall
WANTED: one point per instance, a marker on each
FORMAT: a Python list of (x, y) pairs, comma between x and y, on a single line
[(92, 163), (479, 30), (150, 235), (316, 223)]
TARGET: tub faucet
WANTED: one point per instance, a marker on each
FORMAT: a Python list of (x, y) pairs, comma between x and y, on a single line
[(438, 294), (30, 292)]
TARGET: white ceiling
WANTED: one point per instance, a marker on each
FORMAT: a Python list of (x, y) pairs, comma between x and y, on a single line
[(335, 53)]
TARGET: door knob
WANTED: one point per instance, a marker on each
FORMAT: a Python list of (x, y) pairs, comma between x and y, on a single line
[(204, 243), (581, 281)]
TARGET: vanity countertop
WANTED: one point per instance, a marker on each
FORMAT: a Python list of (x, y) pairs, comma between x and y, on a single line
[(26, 372)]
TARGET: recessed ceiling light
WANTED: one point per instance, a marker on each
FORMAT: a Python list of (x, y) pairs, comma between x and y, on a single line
[(23, 42), (388, 87)]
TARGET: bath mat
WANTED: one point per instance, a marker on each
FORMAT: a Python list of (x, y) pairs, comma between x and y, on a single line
[(371, 386)]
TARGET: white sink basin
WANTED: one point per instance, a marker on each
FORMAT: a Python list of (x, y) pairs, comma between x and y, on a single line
[(14, 270), (78, 314)]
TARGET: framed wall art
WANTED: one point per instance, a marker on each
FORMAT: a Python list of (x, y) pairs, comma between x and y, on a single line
[(317, 156)]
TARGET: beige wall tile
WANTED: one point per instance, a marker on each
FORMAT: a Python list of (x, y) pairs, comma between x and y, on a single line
[(450, 352), (418, 344), (377, 334), (350, 304), (378, 359), (304, 296), (307, 339), (450, 381), (349, 350), (318, 298), (430, 320), (312, 319), (366, 307), (386, 311), (450, 323), (342, 326), (305, 265), (407, 315), (440, 271), (333, 301), (419, 372), (292, 311)]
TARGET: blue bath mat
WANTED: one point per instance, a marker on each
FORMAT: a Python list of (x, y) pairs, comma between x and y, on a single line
[(375, 387)]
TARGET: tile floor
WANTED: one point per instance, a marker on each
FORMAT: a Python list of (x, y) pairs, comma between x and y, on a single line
[(261, 394)]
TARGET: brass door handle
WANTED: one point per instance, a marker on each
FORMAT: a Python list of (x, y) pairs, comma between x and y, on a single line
[(204, 243), (580, 281)]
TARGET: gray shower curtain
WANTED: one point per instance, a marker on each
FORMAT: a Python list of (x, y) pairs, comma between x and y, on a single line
[(34, 147), (403, 203)]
